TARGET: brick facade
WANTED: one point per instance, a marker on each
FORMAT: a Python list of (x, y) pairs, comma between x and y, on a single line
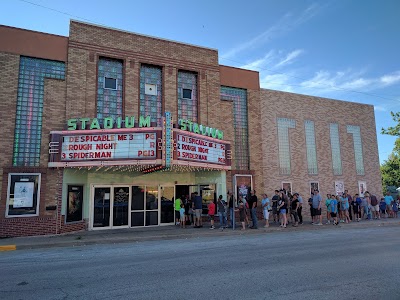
[(75, 97), (275, 104)]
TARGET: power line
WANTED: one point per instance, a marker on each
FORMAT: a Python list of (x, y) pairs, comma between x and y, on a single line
[(261, 69), (62, 12), (304, 79)]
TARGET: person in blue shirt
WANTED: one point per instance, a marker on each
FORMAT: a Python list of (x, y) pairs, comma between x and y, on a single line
[(344, 206), (388, 201), (356, 204), (334, 209), (382, 207)]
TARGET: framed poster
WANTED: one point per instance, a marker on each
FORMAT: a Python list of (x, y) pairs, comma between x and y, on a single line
[(243, 185), (339, 187), (74, 203), (362, 187), (23, 194), (314, 186), (287, 186)]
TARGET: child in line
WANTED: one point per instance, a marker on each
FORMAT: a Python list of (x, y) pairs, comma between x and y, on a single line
[(211, 213), (182, 213), (328, 210), (334, 209), (395, 207), (382, 207)]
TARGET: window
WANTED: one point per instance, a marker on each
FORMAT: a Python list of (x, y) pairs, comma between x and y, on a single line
[(357, 144), (28, 121), (109, 88), (284, 145), (187, 94), (240, 121), (311, 148), (151, 91), (335, 148), (23, 194), (110, 83)]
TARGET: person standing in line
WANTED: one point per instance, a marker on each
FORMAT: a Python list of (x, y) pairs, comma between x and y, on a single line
[(316, 204), (356, 207), (374, 204), (253, 205), (344, 204), (395, 208), (265, 206), (328, 210), (231, 204), (211, 213), (182, 214), (275, 200), (299, 210), (285, 198), (282, 212), (198, 208), (334, 209), (221, 205), (177, 210), (350, 199), (310, 201), (388, 201), (382, 208), (242, 214), (295, 206)]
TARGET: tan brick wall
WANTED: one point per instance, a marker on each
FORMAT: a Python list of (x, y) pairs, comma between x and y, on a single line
[(275, 104)]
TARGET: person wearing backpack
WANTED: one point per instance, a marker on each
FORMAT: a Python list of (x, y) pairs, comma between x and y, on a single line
[(375, 207)]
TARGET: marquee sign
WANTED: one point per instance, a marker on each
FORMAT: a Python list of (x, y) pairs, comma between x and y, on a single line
[(197, 150), (92, 142), (94, 147)]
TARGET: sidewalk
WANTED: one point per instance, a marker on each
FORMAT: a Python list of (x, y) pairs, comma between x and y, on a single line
[(130, 235)]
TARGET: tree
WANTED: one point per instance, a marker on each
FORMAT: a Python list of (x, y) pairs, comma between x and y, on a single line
[(390, 169)]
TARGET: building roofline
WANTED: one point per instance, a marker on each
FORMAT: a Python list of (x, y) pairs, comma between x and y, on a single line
[(140, 34), (35, 31)]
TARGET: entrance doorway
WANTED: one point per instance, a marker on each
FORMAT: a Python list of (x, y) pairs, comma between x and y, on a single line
[(110, 206), (167, 204)]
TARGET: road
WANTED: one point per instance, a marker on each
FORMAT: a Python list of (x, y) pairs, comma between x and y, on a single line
[(337, 263)]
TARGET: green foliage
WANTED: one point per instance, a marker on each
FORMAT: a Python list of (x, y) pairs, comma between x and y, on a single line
[(395, 131), (390, 170)]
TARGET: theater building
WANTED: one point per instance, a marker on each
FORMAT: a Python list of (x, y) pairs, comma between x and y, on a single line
[(104, 128)]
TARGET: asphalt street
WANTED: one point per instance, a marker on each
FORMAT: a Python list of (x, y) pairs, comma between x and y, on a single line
[(349, 263)]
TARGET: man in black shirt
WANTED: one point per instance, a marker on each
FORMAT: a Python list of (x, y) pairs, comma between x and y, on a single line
[(253, 206), (275, 200)]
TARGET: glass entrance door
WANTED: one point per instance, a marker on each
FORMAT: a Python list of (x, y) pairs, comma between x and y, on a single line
[(167, 204), (110, 206), (101, 207)]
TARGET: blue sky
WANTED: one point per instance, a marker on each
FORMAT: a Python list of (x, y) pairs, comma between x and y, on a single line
[(347, 50)]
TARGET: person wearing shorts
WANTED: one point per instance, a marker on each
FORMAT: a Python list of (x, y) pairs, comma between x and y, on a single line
[(334, 209), (198, 207), (295, 205), (265, 206), (389, 200), (316, 204), (211, 213), (375, 207), (282, 207), (242, 215)]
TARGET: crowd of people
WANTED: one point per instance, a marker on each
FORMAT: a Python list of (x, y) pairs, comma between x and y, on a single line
[(284, 208)]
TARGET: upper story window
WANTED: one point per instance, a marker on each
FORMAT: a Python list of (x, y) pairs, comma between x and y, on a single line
[(109, 88), (151, 90), (284, 144), (240, 123), (335, 149), (29, 113), (187, 96)]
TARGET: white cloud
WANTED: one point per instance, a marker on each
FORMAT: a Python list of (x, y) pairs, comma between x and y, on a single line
[(286, 23), (260, 63), (390, 79), (289, 58)]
